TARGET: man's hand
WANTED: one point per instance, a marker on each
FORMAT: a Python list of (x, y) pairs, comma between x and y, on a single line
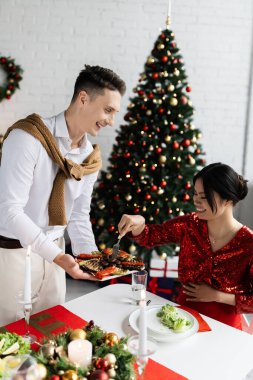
[(131, 223), (68, 263)]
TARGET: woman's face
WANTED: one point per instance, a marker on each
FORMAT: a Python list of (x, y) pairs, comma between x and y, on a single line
[(203, 208)]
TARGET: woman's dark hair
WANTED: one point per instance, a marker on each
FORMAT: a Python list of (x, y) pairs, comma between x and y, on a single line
[(94, 79), (222, 179)]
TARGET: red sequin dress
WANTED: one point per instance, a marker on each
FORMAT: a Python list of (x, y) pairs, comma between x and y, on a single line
[(229, 269)]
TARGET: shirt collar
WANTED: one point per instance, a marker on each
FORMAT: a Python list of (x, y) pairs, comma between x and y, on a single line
[(61, 131)]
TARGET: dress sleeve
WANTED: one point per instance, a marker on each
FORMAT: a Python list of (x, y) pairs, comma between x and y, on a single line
[(244, 302), (161, 234)]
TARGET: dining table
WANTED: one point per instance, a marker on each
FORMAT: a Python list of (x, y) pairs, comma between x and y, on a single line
[(223, 353)]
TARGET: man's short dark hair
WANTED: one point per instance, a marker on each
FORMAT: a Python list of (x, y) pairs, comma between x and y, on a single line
[(95, 79)]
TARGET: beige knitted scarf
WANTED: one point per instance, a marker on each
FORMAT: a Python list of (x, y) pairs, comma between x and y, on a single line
[(67, 168)]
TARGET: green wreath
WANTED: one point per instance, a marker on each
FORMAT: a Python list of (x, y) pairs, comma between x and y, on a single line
[(14, 76)]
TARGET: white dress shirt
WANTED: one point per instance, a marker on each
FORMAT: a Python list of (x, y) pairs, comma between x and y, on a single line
[(27, 174)]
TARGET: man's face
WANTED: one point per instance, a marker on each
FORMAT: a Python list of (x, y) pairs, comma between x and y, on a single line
[(99, 111)]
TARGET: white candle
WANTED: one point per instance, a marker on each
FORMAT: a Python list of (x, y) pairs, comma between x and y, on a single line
[(143, 329), (169, 8), (80, 352), (28, 280)]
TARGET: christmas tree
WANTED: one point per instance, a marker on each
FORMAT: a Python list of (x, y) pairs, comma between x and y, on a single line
[(156, 152)]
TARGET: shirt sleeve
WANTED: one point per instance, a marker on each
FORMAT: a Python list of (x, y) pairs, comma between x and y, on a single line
[(79, 227), (161, 234), (19, 157)]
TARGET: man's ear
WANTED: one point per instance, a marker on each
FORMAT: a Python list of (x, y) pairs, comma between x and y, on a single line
[(83, 96)]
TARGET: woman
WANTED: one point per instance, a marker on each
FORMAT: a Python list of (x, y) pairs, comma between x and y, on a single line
[(216, 251)]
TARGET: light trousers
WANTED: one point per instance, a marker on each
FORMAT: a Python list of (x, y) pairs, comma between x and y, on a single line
[(48, 282)]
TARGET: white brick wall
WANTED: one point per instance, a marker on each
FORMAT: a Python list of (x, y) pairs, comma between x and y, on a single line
[(52, 39)]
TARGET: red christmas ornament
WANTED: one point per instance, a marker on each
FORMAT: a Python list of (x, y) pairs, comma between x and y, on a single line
[(158, 150), (99, 374), (186, 197), (197, 151), (162, 35), (173, 127), (136, 210), (179, 176), (145, 127), (153, 188), (164, 58), (147, 197), (155, 75), (184, 100), (8, 97), (3, 60), (54, 377), (157, 211), (187, 186), (93, 221), (111, 228), (188, 89), (151, 95), (127, 155), (144, 143), (173, 44), (186, 143), (102, 363), (161, 110), (153, 167), (130, 180), (158, 129), (127, 116), (138, 190), (141, 92), (116, 197), (175, 145), (101, 185), (130, 142), (163, 183), (143, 107)]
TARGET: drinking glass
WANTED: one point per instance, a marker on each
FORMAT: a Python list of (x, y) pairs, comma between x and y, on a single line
[(20, 367), (141, 359), (139, 284), (24, 311)]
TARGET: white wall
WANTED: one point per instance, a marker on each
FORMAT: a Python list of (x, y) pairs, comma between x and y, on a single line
[(52, 39)]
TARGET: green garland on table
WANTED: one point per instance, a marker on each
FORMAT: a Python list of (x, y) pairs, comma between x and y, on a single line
[(110, 357), (14, 76)]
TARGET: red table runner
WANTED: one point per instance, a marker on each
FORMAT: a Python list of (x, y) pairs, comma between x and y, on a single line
[(203, 325), (58, 319)]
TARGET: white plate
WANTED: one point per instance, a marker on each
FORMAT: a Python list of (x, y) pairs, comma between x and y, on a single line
[(170, 335), (117, 275)]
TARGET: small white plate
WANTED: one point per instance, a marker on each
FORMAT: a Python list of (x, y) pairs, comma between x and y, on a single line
[(116, 275), (170, 335)]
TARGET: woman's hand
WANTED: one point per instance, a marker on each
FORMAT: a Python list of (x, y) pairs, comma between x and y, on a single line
[(68, 263), (131, 223), (201, 293)]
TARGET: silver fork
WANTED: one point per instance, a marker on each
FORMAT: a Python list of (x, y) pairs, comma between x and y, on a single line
[(115, 249)]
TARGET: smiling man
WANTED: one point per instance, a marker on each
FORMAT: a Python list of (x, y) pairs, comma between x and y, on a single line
[(48, 170)]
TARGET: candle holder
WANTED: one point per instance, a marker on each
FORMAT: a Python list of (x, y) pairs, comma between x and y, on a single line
[(141, 359), (24, 311)]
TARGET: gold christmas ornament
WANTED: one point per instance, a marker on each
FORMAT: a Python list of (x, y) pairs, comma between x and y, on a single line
[(42, 371), (144, 208), (192, 161), (160, 191), (132, 248), (111, 339), (109, 175), (167, 138), (163, 256), (151, 218), (102, 246), (162, 159), (112, 373), (176, 72), (171, 88), (77, 334), (149, 112), (192, 126), (101, 222), (160, 46), (174, 199), (173, 102), (150, 60), (151, 148), (199, 135), (101, 205), (70, 374), (128, 197), (179, 159)]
